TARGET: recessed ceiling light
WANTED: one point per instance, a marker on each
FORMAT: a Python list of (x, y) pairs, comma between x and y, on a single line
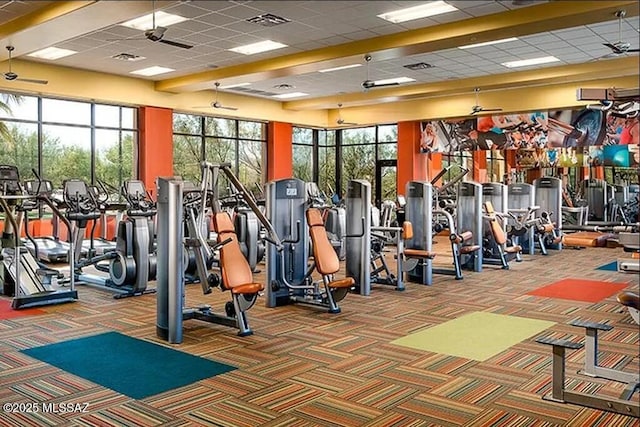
[(470, 46), (284, 86), (290, 95), (344, 67), (163, 19), (394, 80), (422, 11), (234, 85), (258, 47), (532, 61), (52, 53), (152, 71)]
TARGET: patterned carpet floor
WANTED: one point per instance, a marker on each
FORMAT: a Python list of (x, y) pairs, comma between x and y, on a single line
[(306, 367)]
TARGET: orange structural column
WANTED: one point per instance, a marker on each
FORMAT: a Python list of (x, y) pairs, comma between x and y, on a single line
[(279, 151), (479, 165), (412, 165), (155, 147)]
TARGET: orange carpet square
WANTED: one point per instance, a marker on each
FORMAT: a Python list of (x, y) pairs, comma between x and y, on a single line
[(6, 312), (579, 290)]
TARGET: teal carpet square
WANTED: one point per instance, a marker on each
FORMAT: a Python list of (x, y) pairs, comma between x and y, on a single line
[(612, 266), (130, 366)]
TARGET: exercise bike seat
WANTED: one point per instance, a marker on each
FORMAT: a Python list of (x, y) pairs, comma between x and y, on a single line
[(236, 272), (325, 257)]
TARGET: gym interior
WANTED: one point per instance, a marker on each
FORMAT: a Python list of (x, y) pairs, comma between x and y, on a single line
[(319, 213)]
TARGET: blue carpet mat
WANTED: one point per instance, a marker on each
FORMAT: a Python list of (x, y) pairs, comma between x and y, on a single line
[(130, 366), (612, 266)]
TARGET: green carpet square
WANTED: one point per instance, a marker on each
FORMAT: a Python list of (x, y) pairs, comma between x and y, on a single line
[(475, 336), (130, 366)]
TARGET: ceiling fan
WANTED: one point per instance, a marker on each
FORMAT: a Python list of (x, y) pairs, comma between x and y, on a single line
[(156, 33), (620, 47), (216, 103), (370, 84), (340, 120), (10, 75), (476, 109)]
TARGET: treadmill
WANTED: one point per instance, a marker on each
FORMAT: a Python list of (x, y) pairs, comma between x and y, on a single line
[(50, 249)]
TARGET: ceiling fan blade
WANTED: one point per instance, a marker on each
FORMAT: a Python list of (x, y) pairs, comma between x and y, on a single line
[(633, 50), (40, 82), (491, 110), (227, 108), (613, 47), (176, 44)]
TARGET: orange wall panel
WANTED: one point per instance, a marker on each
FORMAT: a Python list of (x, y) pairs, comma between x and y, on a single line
[(279, 151), (155, 149), (412, 165)]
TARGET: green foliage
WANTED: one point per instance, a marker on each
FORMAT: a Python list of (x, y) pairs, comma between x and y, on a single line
[(6, 99)]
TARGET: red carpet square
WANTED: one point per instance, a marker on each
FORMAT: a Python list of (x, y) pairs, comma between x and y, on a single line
[(580, 290), (6, 312)]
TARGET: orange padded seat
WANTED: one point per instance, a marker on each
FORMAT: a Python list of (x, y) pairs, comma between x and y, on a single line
[(236, 272), (629, 299), (407, 233)]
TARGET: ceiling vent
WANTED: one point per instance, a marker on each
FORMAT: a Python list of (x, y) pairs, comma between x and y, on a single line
[(252, 91), (268, 20), (418, 66), (284, 86), (128, 57)]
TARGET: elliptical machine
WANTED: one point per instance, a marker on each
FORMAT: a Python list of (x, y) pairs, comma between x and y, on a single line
[(130, 266)]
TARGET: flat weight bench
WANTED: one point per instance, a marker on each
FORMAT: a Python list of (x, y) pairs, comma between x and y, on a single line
[(236, 273), (326, 261), (620, 405)]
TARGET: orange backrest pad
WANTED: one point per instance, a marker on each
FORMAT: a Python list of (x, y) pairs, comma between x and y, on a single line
[(407, 230), (234, 266), (325, 257), (496, 228)]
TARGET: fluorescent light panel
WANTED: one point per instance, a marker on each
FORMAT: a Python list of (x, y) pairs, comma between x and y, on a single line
[(471, 46), (532, 61), (290, 95), (258, 47), (52, 53), (394, 80), (422, 11), (163, 19), (152, 71), (344, 67), (234, 85)]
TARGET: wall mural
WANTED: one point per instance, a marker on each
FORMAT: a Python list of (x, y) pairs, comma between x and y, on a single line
[(557, 138)]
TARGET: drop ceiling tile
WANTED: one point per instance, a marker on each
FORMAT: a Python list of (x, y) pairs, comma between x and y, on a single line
[(217, 19), (189, 10), (221, 33), (485, 9)]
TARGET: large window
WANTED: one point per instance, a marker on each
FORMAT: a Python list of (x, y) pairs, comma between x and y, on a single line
[(346, 154), (303, 153), (327, 161), (219, 140), (63, 139)]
